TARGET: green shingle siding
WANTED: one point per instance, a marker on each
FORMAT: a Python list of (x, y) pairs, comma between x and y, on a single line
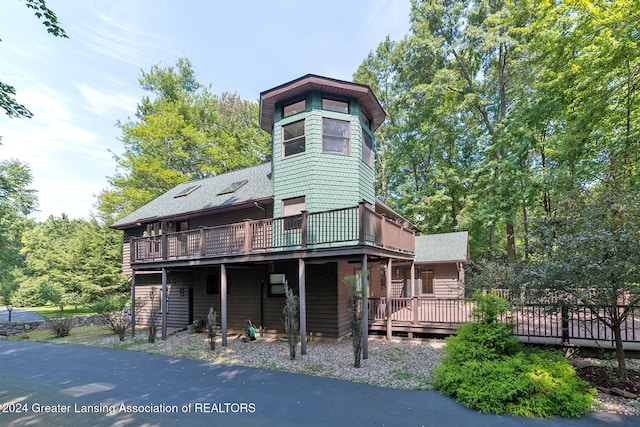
[(328, 180)]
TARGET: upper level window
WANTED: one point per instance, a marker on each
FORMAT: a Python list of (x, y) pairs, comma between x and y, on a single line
[(293, 138), (366, 120), (294, 108), (334, 105), (335, 136), (367, 148)]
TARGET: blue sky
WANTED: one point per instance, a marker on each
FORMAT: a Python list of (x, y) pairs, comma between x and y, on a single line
[(78, 88)]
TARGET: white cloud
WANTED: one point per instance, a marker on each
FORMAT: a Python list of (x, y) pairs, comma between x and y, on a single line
[(67, 159), (106, 102), (114, 37)]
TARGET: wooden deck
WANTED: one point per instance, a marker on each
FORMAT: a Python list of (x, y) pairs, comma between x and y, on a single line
[(348, 227), (533, 323)]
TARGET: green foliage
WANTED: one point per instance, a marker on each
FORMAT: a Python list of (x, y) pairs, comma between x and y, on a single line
[(490, 308), (529, 383), (486, 368), (183, 133), (70, 262), (17, 201), (498, 111), (481, 341)]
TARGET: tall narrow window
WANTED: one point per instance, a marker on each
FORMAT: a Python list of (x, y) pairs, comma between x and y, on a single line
[(367, 148), (335, 136), (426, 276), (293, 138), (293, 108), (334, 105)]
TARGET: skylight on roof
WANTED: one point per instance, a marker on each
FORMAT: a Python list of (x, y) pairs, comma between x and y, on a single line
[(233, 187), (187, 191)]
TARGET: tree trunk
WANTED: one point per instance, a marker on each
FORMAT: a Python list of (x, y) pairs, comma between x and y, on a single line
[(511, 243), (622, 365)]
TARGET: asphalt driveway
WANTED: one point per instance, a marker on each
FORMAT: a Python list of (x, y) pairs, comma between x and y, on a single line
[(68, 385), (18, 315)]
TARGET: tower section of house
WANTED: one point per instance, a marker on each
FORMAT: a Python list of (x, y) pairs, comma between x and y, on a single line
[(322, 151)]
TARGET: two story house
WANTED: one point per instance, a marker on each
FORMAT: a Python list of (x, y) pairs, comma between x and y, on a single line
[(309, 218)]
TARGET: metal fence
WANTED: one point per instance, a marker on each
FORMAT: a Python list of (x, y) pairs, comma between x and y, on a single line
[(530, 320)]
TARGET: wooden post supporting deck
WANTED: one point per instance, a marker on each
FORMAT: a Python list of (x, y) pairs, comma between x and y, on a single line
[(164, 303), (303, 306), (365, 310), (388, 281), (133, 303), (223, 303), (411, 294), (412, 290)]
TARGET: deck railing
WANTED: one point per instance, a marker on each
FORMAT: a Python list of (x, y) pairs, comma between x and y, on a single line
[(531, 320), (356, 225)]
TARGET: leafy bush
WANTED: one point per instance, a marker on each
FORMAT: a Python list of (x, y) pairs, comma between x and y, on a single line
[(60, 327), (530, 383), (111, 314), (479, 341), (487, 369)]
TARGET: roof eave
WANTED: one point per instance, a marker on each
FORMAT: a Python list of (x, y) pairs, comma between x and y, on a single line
[(312, 82), (196, 213)]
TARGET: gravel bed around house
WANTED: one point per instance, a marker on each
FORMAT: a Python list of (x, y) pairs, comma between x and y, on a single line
[(402, 364)]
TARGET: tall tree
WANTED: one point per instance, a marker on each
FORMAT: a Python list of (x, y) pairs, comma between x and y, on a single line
[(70, 261), (17, 201), (457, 156), (7, 92), (181, 133), (587, 257)]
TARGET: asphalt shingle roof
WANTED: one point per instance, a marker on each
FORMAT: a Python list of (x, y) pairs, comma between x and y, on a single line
[(453, 247), (206, 195)]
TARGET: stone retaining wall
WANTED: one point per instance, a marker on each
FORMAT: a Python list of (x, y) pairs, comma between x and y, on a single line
[(16, 328)]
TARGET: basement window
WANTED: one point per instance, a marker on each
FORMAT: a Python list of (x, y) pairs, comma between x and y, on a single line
[(187, 191), (233, 187), (276, 284)]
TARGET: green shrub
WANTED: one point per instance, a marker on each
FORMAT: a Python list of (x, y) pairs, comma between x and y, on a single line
[(487, 369), (479, 341), (530, 383)]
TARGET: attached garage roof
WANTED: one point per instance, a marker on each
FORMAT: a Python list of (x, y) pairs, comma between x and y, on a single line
[(446, 247), (215, 193)]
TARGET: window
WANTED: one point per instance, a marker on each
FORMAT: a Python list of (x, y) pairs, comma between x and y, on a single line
[(276, 284), (291, 209), (366, 120), (293, 140), (187, 191), (213, 284), (294, 108), (426, 277), (367, 148), (335, 136), (333, 105), (231, 188)]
